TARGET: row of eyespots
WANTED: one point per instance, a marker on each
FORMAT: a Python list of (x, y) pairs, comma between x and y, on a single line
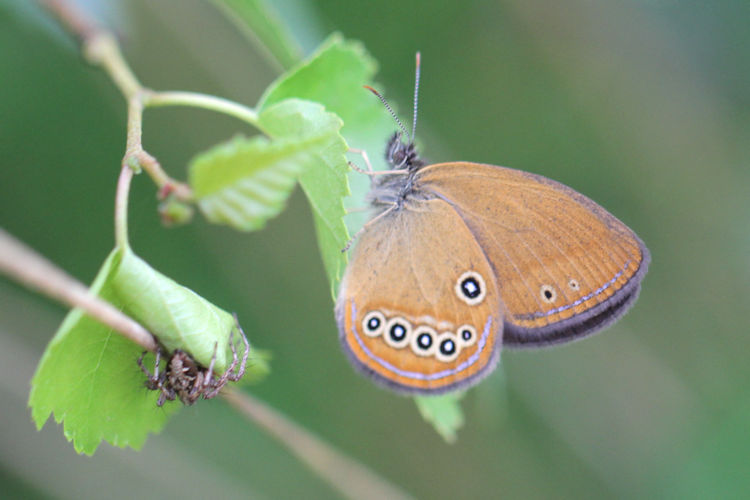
[(423, 340)]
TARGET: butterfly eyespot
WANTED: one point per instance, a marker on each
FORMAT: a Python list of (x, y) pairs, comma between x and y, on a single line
[(423, 341), (447, 347), (470, 288), (467, 335), (573, 284), (548, 294), (373, 324), (397, 332)]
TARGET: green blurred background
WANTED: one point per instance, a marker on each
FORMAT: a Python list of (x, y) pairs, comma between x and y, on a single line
[(642, 105)]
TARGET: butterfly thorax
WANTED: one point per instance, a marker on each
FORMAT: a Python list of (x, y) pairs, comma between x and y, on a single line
[(396, 188)]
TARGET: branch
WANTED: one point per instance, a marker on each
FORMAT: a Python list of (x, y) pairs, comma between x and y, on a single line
[(28, 267), (101, 49), (98, 45)]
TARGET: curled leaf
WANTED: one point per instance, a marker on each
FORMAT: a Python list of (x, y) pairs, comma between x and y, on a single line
[(88, 377), (176, 315)]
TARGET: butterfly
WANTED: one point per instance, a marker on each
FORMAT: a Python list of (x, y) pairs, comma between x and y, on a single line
[(460, 259)]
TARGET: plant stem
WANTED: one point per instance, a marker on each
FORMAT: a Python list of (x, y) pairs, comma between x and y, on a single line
[(131, 163), (351, 478), (121, 207), (23, 264), (177, 98), (101, 49)]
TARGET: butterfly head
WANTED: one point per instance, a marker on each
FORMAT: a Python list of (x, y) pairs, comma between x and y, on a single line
[(401, 154)]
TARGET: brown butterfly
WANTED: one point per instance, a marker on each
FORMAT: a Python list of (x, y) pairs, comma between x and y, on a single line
[(461, 258)]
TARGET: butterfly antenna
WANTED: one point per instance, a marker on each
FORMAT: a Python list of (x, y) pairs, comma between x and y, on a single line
[(416, 100), (390, 110)]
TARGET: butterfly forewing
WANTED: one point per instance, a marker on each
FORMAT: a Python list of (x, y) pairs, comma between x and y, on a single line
[(564, 266), (419, 308)]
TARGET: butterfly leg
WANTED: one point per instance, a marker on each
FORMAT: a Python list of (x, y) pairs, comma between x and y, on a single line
[(370, 170), (366, 159)]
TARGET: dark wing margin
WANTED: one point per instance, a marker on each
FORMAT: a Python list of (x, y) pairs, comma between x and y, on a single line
[(584, 324)]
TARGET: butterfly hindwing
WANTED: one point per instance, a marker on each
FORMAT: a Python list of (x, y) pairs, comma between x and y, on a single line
[(419, 309)]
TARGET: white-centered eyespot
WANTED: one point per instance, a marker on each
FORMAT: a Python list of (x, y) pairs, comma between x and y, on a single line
[(424, 341), (548, 294), (397, 332), (447, 347), (470, 288), (373, 324), (574, 285), (467, 335)]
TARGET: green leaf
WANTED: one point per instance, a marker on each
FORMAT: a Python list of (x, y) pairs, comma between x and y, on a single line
[(334, 76), (88, 376), (443, 412), (261, 25), (245, 182)]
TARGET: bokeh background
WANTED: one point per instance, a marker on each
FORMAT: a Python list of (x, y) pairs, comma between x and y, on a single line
[(642, 105)]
